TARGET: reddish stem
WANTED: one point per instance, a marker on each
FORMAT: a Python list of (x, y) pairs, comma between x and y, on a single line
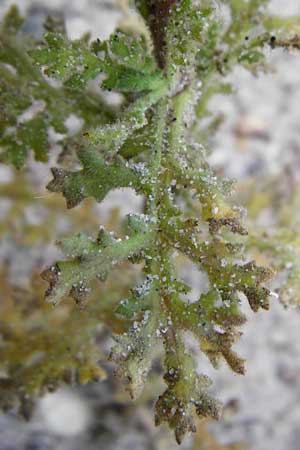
[(159, 12)]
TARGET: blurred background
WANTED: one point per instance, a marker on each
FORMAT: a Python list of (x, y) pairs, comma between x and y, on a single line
[(258, 144)]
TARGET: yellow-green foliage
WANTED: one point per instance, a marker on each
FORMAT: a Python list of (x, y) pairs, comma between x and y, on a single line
[(279, 245), (151, 145), (41, 347)]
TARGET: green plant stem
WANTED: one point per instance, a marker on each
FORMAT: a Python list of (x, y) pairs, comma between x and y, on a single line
[(169, 133)]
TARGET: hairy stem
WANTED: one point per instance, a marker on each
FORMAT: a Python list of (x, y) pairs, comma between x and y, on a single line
[(158, 12)]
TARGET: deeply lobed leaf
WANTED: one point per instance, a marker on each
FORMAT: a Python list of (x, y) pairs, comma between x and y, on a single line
[(96, 179)]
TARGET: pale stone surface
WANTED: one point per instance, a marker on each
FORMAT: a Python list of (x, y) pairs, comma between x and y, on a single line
[(64, 413)]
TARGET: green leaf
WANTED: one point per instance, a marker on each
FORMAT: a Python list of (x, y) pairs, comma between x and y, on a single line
[(125, 79), (110, 138), (70, 61), (96, 179), (184, 37), (30, 135), (134, 353), (251, 57), (90, 259), (211, 192), (139, 302), (30, 106), (128, 64), (186, 396)]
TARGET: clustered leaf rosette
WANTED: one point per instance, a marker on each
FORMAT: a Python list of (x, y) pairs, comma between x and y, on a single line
[(151, 146)]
